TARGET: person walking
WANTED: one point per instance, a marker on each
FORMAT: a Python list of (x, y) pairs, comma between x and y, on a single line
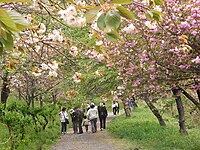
[(80, 114), (114, 107), (92, 115), (74, 118), (86, 123), (64, 120), (102, 112), (117, 107)]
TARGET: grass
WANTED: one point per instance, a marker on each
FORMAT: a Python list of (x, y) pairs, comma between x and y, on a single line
[(4, 136), (142, 128)]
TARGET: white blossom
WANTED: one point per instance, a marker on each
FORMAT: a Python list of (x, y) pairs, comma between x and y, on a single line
[(63, 14), (44, 66), (98, 43), (16, 54), (29, 18), (80, 2), (71, 20), (150, 25), (36, 74), (158, 8), (53, 74), (55, 36), (121, 88), (53, 65), (80, 22), (37, 48), (73, 51), (100, 57), (77, 77), (144, 2), (42, 28), (129, 29), (72, 10)]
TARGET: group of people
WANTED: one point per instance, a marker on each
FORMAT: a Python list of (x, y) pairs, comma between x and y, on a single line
[(81, 118)]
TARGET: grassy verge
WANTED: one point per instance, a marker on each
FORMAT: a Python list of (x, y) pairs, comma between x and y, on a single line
[(143, 130)]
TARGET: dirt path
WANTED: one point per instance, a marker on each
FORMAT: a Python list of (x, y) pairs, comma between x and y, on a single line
[(101, 140)]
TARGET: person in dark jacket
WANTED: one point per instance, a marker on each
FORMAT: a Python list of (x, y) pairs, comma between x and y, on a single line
[(77, 118), (80, 114), (102, 113), (74, 118)]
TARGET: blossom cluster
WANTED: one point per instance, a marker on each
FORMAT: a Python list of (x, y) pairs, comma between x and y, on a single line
[(52, 67), (71, 17)]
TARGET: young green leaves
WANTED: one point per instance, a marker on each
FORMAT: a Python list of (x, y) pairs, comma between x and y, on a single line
[(110, 22), (10, 22)]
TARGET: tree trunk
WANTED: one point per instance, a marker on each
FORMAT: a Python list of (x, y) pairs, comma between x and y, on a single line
[(41, 101), (19, 93), (133, 101), (5, 91), (196, 103), (154, 110), (180, 109), (198, 94), (32, 101), (54, 96), (126, 107), (32, 93)]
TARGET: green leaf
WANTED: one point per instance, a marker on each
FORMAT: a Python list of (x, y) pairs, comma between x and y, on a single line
[(149, 14), (71, 1), (157, 15), (112, 19), (2, 1), (101, 21), (7, 20), (21, 49), (3, 33), (91, 14), (113, 36), (158, 2), (9, 42), (125, 13), (121, 2), (19, 20)]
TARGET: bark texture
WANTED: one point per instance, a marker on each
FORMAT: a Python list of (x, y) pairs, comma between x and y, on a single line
[(154, 110), (180, 109), (126, 107), (195, 102), (5, 91)]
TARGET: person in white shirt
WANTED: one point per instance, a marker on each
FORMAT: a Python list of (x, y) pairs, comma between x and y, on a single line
[(114, 107), (63, 119), (92, 115), (86, 123), (117, 107)]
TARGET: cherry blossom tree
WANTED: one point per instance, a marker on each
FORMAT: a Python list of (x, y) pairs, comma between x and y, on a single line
[(154, 44)]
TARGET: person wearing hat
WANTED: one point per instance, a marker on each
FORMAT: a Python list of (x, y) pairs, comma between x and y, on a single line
[(74, 118)]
